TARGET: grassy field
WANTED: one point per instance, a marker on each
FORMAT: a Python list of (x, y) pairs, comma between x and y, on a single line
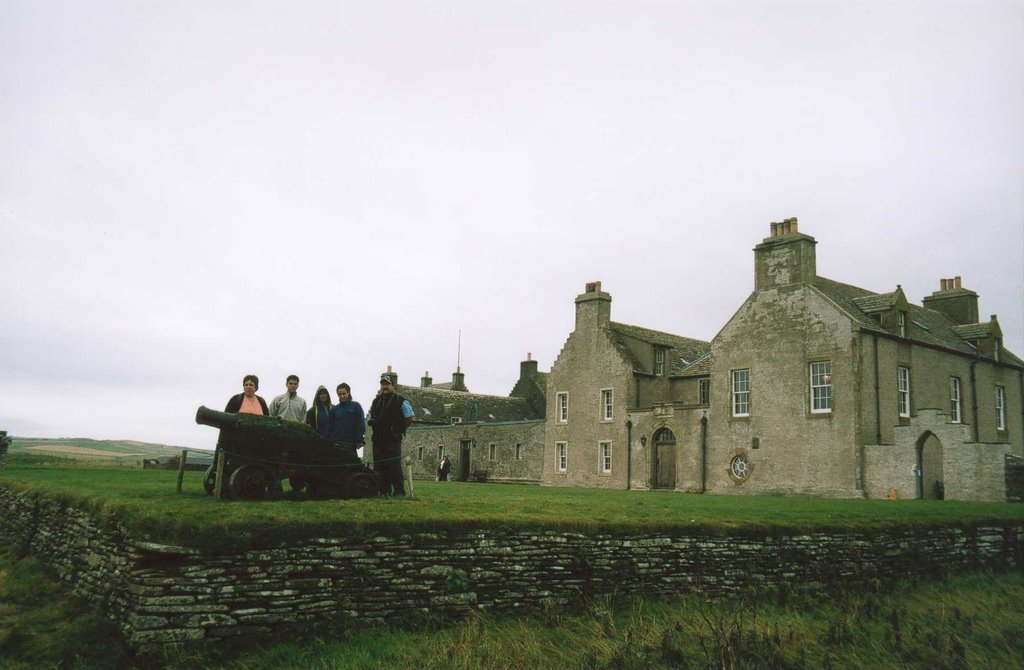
[(146, 501), (974, 621), (116, 452)]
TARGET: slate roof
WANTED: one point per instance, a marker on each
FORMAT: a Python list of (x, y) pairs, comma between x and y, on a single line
[(875, 303), (682, 351), (844, 295), (973, 331), (698, 368), (428, 403), (540, 380), (444, 385), (926, 325)]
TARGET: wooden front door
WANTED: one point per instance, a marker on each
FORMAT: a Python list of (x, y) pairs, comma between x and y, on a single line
[(465, 447), (664, 460), (929, 459)]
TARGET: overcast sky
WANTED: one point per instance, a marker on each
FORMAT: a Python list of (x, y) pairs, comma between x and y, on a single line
[(193, 191)]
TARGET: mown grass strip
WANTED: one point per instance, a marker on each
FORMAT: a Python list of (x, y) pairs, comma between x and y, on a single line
[(145, 501)]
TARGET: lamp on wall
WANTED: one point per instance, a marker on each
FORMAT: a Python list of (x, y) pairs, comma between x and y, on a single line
[(643, 440)]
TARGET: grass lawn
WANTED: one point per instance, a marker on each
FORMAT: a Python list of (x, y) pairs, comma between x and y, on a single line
[(146, 502)]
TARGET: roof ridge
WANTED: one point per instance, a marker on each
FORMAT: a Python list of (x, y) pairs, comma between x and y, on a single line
[(616, 324)]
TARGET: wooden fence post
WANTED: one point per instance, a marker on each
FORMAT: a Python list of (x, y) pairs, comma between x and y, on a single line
[(408, 464), (220, 474), (181, 468)]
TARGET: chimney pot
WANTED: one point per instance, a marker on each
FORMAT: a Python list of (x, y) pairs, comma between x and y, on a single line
[(956, 281), (529, 356)]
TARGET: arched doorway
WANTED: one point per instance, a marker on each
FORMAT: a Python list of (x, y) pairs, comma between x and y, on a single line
[(929, 467), (664, 475)]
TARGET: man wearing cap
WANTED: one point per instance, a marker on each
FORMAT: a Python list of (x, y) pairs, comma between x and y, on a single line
[(390, 415)]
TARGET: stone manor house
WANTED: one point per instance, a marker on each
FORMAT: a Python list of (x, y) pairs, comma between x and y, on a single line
[(813, 387)]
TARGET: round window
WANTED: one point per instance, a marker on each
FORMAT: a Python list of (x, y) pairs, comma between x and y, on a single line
[(740, 467)]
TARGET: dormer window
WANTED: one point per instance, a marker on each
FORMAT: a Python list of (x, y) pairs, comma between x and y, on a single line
[(659, 362), (901, 321), (995, 350)]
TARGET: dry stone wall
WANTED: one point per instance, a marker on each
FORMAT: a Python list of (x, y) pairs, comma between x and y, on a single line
[(163, 594)]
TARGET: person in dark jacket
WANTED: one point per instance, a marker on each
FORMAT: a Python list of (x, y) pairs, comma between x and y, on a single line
[(319, 415), (247, 402), (348, 424), (390, 415), (443, 469)]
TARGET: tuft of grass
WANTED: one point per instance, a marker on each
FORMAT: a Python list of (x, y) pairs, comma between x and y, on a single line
[(747, 632), (41, 627)]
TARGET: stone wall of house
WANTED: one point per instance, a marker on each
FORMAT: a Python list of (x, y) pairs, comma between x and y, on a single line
[(589, 363), (789, 450), (423, 444), (968, 470), (164, 594)]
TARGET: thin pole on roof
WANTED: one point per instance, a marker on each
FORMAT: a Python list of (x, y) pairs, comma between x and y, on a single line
[(458, 356)]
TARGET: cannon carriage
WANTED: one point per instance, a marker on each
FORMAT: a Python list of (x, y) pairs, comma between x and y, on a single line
[(260, 453)]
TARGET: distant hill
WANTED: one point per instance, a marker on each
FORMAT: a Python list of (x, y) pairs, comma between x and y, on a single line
[(120, 451)]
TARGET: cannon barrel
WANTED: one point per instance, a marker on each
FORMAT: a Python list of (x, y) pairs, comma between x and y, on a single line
[(211, 417)]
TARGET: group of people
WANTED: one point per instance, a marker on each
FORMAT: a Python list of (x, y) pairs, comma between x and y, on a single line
[(341, 423)]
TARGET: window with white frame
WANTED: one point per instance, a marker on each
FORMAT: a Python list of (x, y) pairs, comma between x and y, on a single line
[(704, 391), (741, 392), (519, 452), (903, 390), (562, 406), (492, 451), (954, 399), (821, 387), (1000, 408), (561, 456), (902, 319), (606, 404), (659, 361), (606, 456)]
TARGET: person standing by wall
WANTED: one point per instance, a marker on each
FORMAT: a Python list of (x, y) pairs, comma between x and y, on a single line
[(443, 469), (289, 405), (390, 415)]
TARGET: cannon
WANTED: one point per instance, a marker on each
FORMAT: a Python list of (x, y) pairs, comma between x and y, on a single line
[(260, 452)]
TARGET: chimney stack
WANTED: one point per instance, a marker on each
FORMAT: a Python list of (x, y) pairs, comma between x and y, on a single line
[(785, 257), (527, 368), (458, 380), (394, 375), (953, 300), (425, 380), (593, 307)]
